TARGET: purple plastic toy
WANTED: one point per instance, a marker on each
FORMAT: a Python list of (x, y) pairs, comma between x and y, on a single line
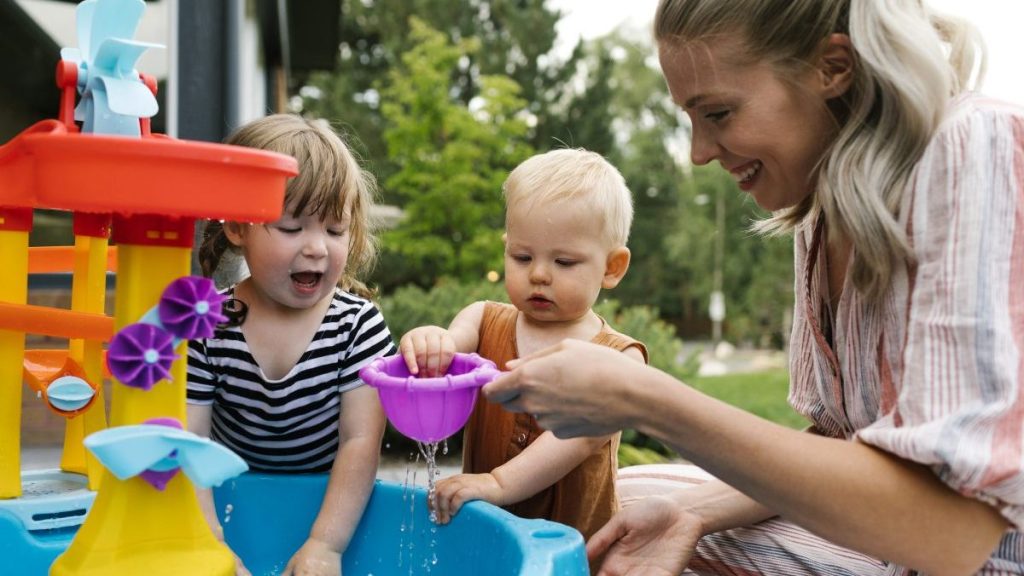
[(428, 409), (140, 355), (190, 307)]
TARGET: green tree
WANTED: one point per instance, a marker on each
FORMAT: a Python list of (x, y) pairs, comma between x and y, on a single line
[(451, 159)]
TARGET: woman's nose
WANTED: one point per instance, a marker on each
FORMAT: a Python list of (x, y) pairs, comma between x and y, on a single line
[(703, 148)]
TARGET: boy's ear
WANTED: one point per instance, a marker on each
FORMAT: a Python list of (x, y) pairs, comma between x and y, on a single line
[(233, 230), (615, 267), (835, 66)]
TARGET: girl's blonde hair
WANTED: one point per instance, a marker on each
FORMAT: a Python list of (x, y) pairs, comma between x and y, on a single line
[(909, 61), (329, 181), (576, 174)]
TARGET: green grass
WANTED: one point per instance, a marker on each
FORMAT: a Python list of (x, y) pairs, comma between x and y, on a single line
[(762, 393)]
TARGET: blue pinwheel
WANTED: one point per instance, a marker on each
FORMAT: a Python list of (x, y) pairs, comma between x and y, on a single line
[(114, 97)]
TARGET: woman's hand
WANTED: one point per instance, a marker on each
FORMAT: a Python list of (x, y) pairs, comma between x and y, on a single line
[(574, 388), (654, 537), (315, 558), (428, 350)]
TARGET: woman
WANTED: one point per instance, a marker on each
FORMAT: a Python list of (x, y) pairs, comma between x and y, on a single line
[(905, 194)]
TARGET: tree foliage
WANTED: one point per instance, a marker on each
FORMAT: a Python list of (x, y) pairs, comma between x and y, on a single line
[(451, 159)]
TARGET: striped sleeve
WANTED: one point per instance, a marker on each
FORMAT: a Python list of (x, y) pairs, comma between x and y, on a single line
[(369, 339), (201, 379), (961, 408)]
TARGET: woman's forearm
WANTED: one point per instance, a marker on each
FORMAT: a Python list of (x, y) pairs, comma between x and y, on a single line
[(850, 493)]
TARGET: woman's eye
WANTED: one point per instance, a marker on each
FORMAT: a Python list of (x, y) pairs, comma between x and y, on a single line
[(717, 116)]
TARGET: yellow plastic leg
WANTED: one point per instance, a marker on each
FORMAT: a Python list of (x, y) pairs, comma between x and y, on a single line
[(149, 532), (13, 289), (88, 294), (143, 273)]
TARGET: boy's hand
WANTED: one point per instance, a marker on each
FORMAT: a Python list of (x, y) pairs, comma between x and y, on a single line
[(428, 350), (315, 558), (451, 493)]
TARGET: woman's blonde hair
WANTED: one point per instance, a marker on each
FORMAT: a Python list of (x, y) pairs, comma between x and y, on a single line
[(909, 61), (575, 174), (329, 181)]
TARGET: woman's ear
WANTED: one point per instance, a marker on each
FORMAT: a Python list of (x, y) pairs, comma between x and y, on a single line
[(835, 66), (235, 233), (615, 267)]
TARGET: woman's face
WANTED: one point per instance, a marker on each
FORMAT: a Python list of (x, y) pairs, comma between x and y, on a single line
[(769, 133)]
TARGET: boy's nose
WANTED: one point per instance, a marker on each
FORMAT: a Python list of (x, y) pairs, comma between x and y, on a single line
[(539, 274)]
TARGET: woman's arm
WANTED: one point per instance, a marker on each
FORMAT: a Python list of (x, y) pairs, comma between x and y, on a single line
[(845, 491)]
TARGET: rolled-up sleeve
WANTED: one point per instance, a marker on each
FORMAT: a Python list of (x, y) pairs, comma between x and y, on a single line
[(960, 408)]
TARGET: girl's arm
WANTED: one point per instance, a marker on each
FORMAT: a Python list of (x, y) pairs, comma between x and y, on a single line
[(351, 479), (199, 418)]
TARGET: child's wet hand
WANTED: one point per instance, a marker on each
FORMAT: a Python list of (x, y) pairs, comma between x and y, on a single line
[(314, 558), (427, 350), (451, 493)]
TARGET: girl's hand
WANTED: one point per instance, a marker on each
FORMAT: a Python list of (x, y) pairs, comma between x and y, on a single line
[(574, 388), (654, 537), (429, 348), (240, 569), (315, 558), (451, 493)]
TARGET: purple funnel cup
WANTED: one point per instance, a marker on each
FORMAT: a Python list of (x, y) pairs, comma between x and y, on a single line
[(428, 409), (140, 355), (190, 307)]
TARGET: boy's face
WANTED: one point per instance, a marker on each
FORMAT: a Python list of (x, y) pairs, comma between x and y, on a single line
[(556, 260)]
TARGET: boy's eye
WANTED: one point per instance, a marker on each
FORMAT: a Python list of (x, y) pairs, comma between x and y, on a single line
[(521, 257), (565, 262)]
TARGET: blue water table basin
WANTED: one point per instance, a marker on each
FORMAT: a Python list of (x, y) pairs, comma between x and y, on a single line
[(266, 517)]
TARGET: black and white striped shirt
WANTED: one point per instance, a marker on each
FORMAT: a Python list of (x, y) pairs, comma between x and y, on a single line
[(291, 424)]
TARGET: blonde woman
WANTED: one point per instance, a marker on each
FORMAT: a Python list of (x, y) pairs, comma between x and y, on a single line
[(851, 120)]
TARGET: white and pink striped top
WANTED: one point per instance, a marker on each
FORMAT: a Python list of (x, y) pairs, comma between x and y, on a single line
[(934, 373)]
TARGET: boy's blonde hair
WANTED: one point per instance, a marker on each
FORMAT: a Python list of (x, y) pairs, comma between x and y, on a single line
[(329, 180), (574, 174), (909, 61)]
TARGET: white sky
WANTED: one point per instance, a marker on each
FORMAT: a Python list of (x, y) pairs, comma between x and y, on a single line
[(998, 20)]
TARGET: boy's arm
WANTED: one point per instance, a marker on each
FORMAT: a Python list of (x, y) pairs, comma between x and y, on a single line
[(465, 327), (351, 480), (547, 460), (540, 465)]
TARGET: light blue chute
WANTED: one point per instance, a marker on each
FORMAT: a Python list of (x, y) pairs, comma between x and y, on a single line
[(113, 95), (129, 451)]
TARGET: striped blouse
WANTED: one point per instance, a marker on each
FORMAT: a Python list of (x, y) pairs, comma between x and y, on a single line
[(934, 372), (291, 424)]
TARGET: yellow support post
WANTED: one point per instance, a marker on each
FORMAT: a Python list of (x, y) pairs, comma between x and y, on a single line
[(14, 227), (157, 533), (88, 294)]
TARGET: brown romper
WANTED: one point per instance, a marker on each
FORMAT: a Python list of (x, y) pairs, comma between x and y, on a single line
[(584, 498)]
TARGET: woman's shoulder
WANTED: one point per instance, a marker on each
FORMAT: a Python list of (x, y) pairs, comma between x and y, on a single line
[(975, 111)]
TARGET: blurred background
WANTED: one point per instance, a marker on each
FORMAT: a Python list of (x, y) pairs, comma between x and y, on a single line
[(442, 98)]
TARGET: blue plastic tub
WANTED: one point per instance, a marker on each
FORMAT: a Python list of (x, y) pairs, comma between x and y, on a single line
[(266, 518), (39, 526)]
